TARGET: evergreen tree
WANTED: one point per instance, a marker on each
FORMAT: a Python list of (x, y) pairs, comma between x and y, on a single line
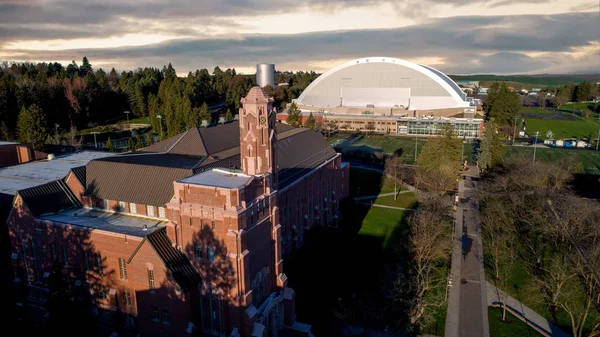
[(310, 122), (31, 126), (491, 150), (149, 139), (130, 144), (205, 114), (138, 142), (85, 68), (110, 146), (294, 117), (229, 115), (501, 104), (438, 163)]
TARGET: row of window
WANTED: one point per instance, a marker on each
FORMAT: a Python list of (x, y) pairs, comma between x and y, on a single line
[(162, 212), (199, 252)]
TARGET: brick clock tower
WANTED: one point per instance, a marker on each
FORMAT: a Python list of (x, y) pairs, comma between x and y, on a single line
[(258, 141)]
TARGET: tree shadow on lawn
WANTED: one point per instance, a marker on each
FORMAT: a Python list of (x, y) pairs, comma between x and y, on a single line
[(344, 278)]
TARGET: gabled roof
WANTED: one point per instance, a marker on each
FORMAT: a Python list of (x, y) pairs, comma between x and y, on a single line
[(79, 173), (147, 177), (147, 182), (176, 262), (52, 197)]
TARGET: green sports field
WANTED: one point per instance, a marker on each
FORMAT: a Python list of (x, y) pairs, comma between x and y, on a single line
[(589, 158), (406, 147), (563, 128)]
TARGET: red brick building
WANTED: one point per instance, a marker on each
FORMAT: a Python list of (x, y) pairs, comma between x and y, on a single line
[(186, 237)]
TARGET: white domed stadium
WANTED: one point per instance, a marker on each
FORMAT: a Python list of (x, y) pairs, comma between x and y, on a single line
[(388, 95), (383, 83)]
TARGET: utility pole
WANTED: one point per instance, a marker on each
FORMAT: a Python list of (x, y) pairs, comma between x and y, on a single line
[(160, 121), (95, 133), (534, 144)]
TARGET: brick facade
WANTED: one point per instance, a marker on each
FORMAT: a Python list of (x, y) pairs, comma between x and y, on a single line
[(236, 238)]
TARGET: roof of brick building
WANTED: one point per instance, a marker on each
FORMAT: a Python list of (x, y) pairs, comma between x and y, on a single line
[(178, 264), (147, 177), (52, 197)]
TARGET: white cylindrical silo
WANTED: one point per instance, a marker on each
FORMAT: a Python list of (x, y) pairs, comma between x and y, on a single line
[(265, 74)]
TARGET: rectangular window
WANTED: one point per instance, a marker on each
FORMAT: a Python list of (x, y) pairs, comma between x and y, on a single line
[(213, 224), (123, 269), (122, 206), (211, 254), (101, 292), (65, 257), (54, 255), (201, 222), (198, 251), (150, 210), (126, 298), (166, 316), (155, 314), (86, 260), (151, 279), (132, 208), (99, 262), (162, 212)]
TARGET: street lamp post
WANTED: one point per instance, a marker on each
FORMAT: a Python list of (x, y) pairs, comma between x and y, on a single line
[(598, 140), (416, 148), (95, 133), (127, 113), (160, 122), (535, 144), (462, 157), (514, 130)]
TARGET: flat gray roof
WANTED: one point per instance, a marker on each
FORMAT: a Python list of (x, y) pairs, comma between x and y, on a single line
[(217, 178), (112, 222), (35, 173)]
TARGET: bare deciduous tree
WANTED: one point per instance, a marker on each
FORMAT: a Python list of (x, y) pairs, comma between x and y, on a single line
[(429, 242), (393, 168)]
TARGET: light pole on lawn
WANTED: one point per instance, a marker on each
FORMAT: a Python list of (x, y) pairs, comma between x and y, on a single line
[(127, 113), (515, 130), (95, 133), (160, 122), (416, 148), (535, 144), (598, 140)]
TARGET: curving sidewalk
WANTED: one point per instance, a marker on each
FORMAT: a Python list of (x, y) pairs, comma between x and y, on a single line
[(521, 311)]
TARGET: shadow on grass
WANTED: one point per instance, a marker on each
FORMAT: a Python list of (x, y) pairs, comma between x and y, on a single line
[(343, 278)]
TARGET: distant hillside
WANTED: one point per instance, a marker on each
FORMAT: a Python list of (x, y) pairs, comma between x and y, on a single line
[(540, 80)]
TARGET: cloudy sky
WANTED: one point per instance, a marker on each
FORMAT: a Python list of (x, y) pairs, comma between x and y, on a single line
[(455, 36)]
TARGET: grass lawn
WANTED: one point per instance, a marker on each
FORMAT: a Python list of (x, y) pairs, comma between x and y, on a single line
[(521, 287), (404, 200), (406, 147), (530, 110), (517, 328), (589, 158), (381, 223), (562, 128)]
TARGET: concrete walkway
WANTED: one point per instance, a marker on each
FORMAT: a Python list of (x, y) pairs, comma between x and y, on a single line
[(467, 299), (532, 318), (386, 206), (368, 197)]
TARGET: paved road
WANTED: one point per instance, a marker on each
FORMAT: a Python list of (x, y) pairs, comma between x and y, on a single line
[(467, 301)]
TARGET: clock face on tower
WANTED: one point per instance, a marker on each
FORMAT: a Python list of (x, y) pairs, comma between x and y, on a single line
[(262, 119)]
